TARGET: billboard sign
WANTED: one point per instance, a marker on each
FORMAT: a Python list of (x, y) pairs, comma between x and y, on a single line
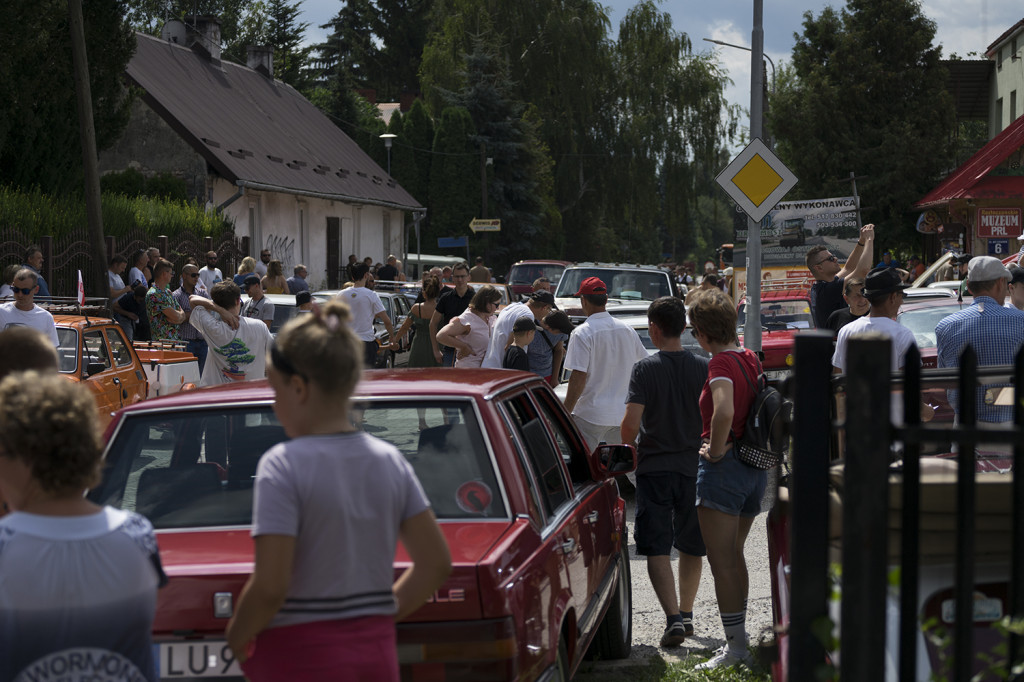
[(793, 227), (999, 223)]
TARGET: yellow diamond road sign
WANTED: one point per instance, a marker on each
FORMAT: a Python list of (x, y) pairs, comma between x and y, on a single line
[(756, 180)]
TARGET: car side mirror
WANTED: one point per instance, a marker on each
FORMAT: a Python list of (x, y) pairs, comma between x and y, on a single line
[(94, 368), (614, 460)]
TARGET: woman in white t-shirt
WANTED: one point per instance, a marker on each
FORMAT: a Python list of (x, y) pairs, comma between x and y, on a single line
[(470, 333), (77, 581), (332, 496)]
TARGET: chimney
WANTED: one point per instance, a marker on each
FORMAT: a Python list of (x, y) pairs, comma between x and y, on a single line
[(260, 58), (204, 36)]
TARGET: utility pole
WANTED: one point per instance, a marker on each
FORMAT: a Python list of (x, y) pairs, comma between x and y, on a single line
[(483, 180), (752, 325), (87, 133)]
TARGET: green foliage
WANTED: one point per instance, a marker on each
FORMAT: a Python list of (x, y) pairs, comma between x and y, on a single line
[(37, 214), (132, 183), (39, 133), (454, 177), (167, 186), (418, 129), (866, 94)]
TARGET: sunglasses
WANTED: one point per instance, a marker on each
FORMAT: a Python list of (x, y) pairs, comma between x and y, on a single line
[(193, 275), (825, 260), (26, 292)]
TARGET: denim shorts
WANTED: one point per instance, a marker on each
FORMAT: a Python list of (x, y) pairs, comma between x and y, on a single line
[(730, 486), (666, 515)]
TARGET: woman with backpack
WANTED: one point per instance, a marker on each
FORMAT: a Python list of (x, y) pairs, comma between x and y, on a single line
[(729, 492)]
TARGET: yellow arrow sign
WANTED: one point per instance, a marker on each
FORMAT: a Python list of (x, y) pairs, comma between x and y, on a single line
[(485, 225)]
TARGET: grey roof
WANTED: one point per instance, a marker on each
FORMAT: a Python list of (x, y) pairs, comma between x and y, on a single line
[(257, 132)]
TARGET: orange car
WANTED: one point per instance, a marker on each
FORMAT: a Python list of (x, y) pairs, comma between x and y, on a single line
[(94, 350)]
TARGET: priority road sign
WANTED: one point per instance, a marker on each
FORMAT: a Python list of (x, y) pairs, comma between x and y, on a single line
[(756, 180)]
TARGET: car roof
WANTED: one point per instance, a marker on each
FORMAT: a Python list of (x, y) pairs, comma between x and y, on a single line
[(403, 383), (932, 303), (615, 266), (542, 261)]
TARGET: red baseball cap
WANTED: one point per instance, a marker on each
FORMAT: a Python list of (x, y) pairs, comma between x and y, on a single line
[(592, 285)]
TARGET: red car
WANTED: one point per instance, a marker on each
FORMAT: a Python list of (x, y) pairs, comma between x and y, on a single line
[(522, 274), (535, 524), (785, 311)]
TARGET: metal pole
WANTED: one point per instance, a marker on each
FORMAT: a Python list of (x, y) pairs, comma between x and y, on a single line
[(856, 197), (87, 132), (752, 325)]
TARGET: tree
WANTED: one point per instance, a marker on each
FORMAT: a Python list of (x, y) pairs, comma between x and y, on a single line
[(419, 136), (866, 94), (39, 135), (275, 23), (453, 175)]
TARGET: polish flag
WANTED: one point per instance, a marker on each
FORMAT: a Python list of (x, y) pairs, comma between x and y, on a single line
[(81, 289)]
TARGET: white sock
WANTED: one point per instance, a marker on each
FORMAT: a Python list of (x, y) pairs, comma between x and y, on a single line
[(735, 628)]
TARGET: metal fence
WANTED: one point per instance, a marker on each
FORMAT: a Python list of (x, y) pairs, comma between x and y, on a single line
[(868, 515), (64, 256)]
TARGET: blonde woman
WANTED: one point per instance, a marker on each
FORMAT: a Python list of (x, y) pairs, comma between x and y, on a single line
[(247, 268), (331, 496), (274, 281)]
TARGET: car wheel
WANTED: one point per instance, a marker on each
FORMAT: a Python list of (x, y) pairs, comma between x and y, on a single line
[(614, 637), (562, 668)]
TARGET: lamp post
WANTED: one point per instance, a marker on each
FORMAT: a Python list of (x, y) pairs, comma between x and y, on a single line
[(389, 138), (741, 47)]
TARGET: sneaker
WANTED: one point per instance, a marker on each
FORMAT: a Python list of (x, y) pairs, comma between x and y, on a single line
[(674, 635), (726, 657), (688, 626)]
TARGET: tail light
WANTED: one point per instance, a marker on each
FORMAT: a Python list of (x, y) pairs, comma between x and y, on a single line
[(474, 651)]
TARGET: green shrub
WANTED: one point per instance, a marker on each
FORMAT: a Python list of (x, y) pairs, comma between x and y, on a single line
[(166, 186), (130, 183)]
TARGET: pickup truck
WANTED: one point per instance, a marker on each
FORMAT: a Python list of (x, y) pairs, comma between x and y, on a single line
[(95, 351)]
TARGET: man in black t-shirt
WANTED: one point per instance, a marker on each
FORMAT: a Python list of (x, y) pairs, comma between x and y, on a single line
[(827, 290), (452, 302), (389, 271), (662, 408)]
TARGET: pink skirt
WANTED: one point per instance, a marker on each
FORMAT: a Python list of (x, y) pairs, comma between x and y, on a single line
[(352, 650)]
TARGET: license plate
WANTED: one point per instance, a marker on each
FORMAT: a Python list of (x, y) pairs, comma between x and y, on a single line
[(199, 658), (776, 374)]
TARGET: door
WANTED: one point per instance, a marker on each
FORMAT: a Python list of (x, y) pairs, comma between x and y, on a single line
[(104, 383), (128, 372), (333, 253)]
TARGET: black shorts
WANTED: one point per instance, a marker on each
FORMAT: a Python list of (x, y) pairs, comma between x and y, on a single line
[(370, 349), (666, 515)]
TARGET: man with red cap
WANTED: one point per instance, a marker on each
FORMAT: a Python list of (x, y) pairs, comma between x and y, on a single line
[(601, 355)]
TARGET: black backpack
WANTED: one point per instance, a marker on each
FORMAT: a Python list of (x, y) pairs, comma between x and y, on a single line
[(766, 435)]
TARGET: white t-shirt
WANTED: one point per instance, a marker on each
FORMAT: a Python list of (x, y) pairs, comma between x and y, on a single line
[(37, 318), (501, 331), (902, 339), (135, 276), (606, 349), (364, 304), (78, 594), (6, 291), (115, 282), (235, 354), (210, 276)]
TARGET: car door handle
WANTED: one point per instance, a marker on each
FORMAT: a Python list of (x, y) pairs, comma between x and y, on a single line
[(568, 546), (592, 517)]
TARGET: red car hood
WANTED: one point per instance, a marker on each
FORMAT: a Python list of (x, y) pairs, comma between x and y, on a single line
[(776, 345), (204, 562)]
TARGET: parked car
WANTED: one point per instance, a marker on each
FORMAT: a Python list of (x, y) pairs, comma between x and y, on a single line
[(921, 317), (397, 306), (522, 274), (284, 309), (535, 524), (626, 283), (94, 350), (785, 311)]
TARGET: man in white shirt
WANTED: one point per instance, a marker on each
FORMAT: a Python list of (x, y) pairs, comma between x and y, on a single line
[(884, 291), (536, 307), (137, 275), (211, 274), (258, 306), (238, 345), (366, 306), (23, 311), (114, 271), (601, 355)]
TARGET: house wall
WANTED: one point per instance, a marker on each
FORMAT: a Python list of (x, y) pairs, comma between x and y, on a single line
[(1007, 102), (295, 229), (150, 146)]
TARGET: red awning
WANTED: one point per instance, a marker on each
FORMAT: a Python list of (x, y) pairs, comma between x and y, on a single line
[(971, 181)]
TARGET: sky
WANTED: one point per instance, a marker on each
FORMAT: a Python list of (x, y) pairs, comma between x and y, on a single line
[(963, 26)]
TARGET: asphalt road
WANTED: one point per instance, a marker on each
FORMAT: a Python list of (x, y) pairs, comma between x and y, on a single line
[(649, 619)]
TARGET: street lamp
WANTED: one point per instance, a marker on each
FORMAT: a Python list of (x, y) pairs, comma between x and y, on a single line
[(389, 138), (741, 47)]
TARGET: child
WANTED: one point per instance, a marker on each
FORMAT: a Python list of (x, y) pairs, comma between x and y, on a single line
[(522, 334), (332, 496)]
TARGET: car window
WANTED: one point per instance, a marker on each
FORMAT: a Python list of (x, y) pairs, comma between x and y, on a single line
[(526, 274), (118, 348), (95, 349), (571, 449), (401, 305), (67, 350), (781, 314), (282, 313), (195, 468), (386, 300), (923, 322), (542, 457), (631, 284)]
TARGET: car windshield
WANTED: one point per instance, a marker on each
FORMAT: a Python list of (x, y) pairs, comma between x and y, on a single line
[(924, 320), (528, 272), (195, 468), (640, 285), (781, 315)]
